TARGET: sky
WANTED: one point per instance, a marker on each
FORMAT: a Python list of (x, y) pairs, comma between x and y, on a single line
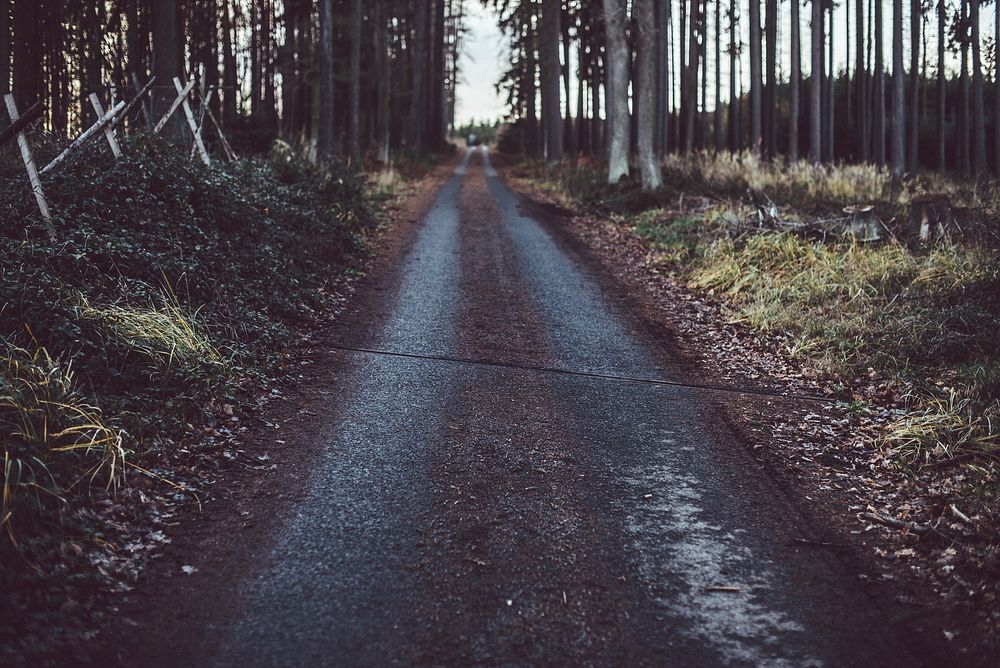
[(482, 63)]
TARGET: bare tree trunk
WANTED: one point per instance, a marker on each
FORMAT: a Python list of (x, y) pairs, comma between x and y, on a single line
[(861, 79), (645, 23), (913, 154), (324, 148), (996, 87), (794, 83), (662, 76), (771, 92), (816, 85), (756, 80), (690, 100), (898, 92), (549, 56), (941, 102), (165, 57), (355, 120), (5, 45), (717, 122), (830, 81), (879, 88), (978, 104), (418, 102), (229, 66), (617, 91), (569, 136), (964, 159), (734, 115)]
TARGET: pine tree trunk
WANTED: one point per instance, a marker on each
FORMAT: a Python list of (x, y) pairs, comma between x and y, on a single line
[(617, 91), (229, 66), (978, 104), (717, 123), (733, 124), (996, 88), (569, 136), (324, 147), (549, 56), (941, 101), (964, 160), (355, 120), (417, 119), (645, 24), (690, 101), (165, 55), (794, 83), (879, 87), (771, 92), (816, 85), (830, 81), (861, 83), (913, 153), (756, 82), (898, 92), (5, 6)]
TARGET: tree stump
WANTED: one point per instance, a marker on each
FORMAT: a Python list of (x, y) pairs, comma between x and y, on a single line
[(930, 217), (864, 225)]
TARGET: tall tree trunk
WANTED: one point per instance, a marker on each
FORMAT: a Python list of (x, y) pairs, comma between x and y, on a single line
[(898, 92), (683, 72), (795, 78), (913, 153), (733, 124), (569, 137), (437, 121), (861, 81), (717, 122), (384, 87), (941, 102), (771, 93), (830, 80), (816, 85), (417, 120), (662, 76), (5, 45), (355, 120), (617, 91), (645, 23), (964, 160), (690, 101), (229, 77), (879, 87), (325, 143), (996, 87), (165, 57), (756, 82), (549, 56), (978, 105)]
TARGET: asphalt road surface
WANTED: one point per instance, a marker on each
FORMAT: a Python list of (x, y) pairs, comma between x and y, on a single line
[(502, 513)]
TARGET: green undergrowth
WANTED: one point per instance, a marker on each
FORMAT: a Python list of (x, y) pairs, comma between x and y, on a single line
[(913, 326), (170, 290)]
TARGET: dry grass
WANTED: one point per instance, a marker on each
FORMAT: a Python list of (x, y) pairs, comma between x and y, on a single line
[(53, 440)]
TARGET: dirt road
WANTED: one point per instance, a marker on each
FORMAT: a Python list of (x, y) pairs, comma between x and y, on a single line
[(498, 484)]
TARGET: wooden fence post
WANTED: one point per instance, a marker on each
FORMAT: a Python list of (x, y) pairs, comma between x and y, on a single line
[(109, 131), (191, 122), (29, 165)]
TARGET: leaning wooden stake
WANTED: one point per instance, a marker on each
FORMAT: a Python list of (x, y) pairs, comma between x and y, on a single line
[(34, 112), (191, 122), (206, 100), (181, 97), (109, 131), (87, 134), (131, 105), (222, 137), (147, 114), (29, 165)]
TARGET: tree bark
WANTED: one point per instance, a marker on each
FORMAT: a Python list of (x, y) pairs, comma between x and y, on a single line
[(355, 121), (978, 105), (771, 92), (898, 92), (913, 154), (549, 56), (879, 88), (325, 140), (756, 81), (795, 77), (964, 160), (617, 90), (815, 85), (941, 101), (165, 58), (690, 100), (417, 119), (649, 167), (717, 122), (861, 80)]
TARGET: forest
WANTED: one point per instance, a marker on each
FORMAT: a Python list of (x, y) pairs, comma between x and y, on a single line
[(690, 351)]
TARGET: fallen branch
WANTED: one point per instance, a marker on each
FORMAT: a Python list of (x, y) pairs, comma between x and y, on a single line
[(893, 523)]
